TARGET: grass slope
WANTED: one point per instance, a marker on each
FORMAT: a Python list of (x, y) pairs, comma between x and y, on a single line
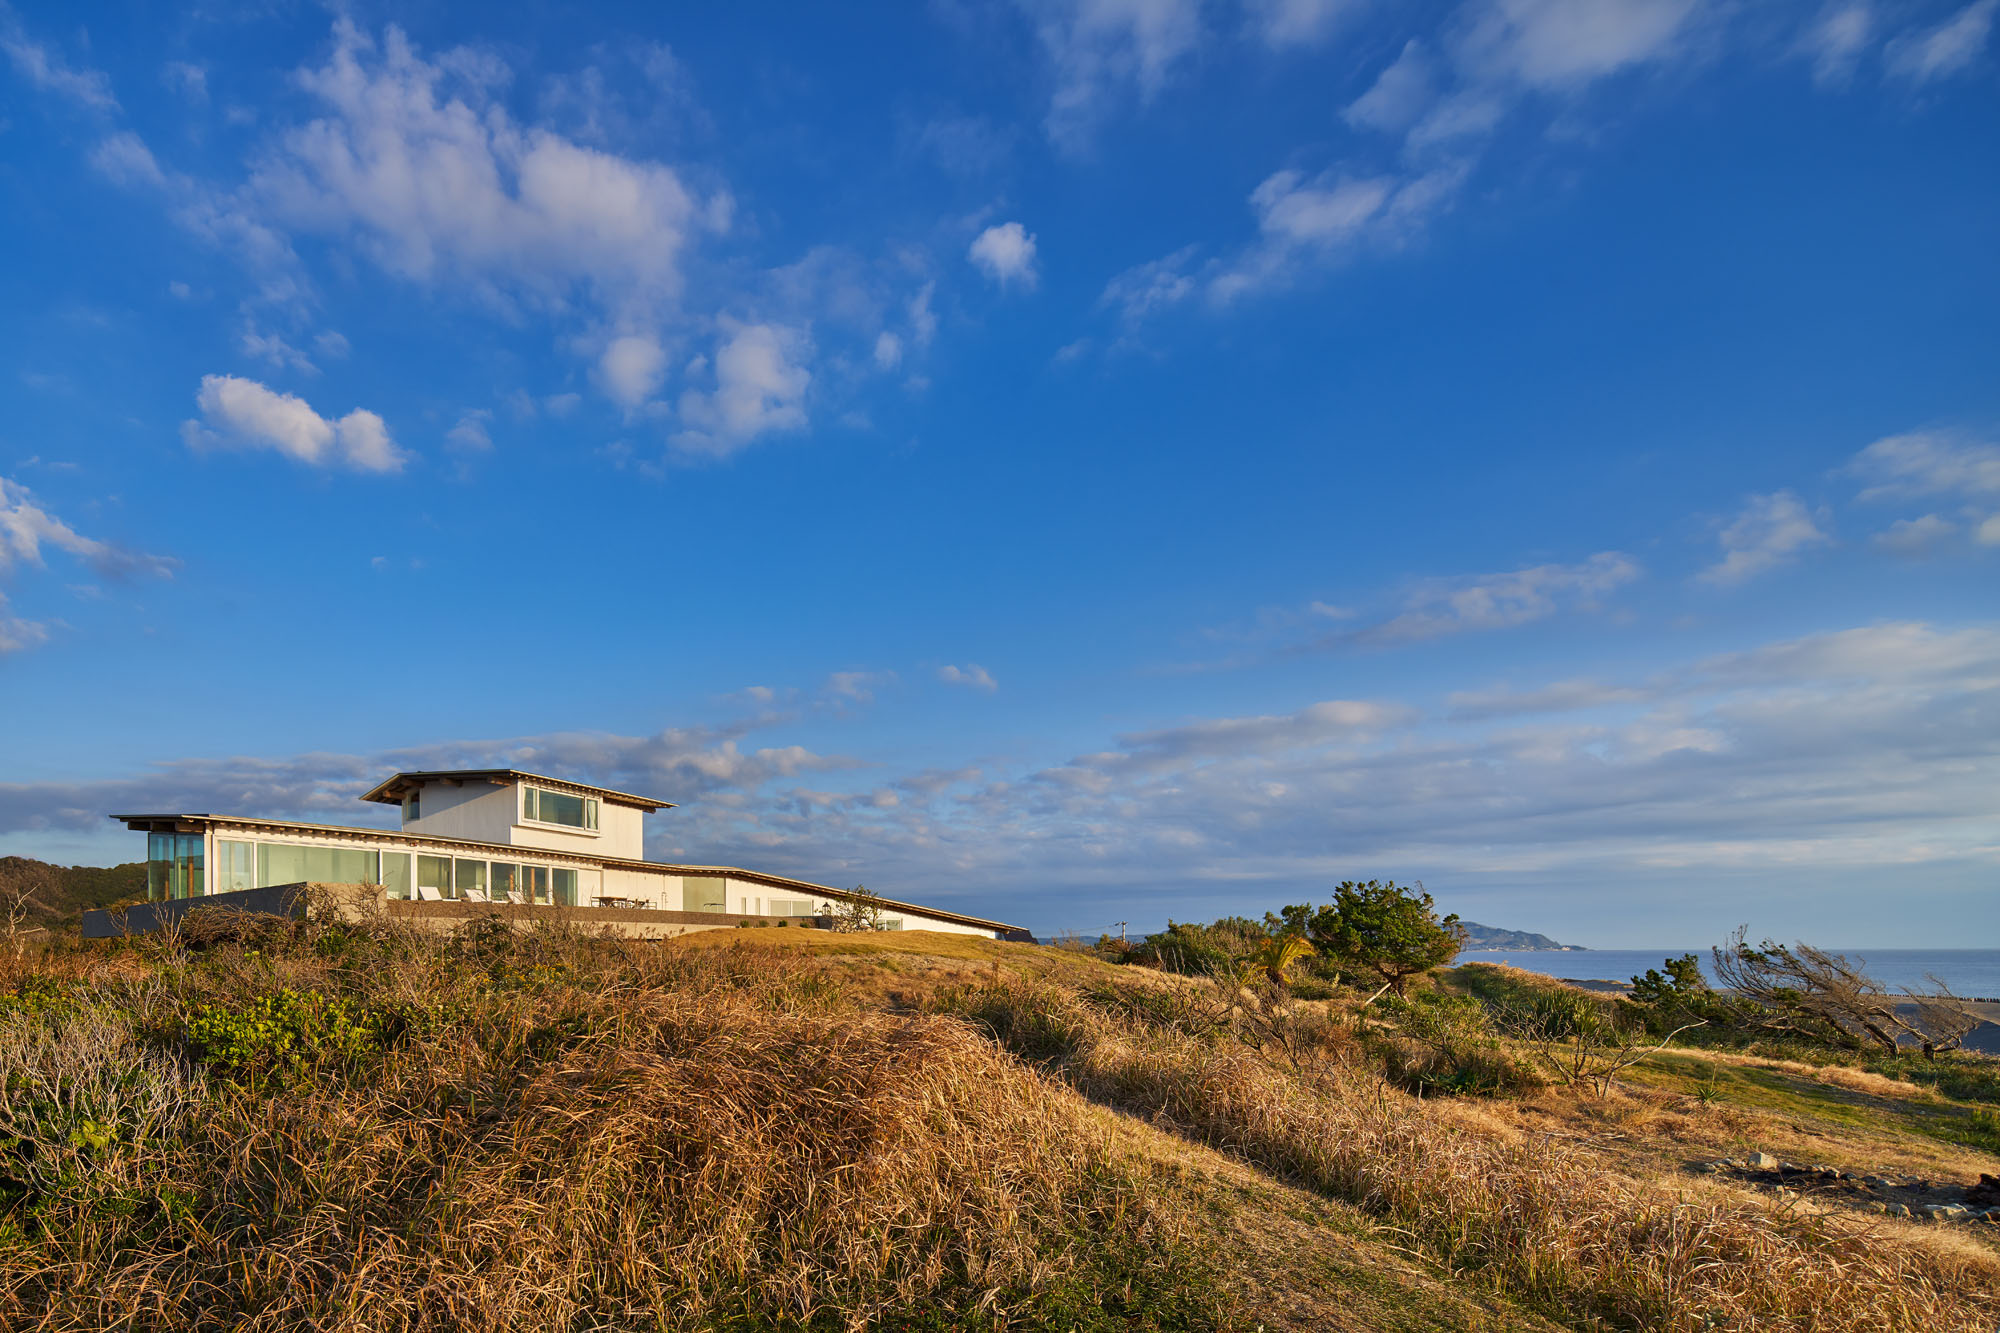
[(320, 1126)]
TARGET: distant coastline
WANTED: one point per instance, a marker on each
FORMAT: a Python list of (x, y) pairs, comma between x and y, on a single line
[(1489, 938)]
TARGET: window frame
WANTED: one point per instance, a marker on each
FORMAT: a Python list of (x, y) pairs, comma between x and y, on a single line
[(530, 808)]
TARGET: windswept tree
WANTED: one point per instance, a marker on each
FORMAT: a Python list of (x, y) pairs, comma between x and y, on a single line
[(860, 910), (1389, 929), (1820, 996)]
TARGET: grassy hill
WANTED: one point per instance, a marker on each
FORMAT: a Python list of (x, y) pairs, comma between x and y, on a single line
[(327, 1126), (58, 895)]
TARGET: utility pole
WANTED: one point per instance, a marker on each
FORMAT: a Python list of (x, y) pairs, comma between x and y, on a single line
[(1121, 932)]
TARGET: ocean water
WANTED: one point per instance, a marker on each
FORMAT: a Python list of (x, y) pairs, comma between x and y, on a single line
[(1971, 973)]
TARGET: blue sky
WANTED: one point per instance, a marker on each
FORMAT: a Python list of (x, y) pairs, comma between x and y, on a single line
[(1075, 462)]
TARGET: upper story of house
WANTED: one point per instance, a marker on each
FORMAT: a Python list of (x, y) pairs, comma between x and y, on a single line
[(517, 809)]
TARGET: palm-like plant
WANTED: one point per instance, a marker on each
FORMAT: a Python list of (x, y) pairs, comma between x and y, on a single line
[(1280, 952)]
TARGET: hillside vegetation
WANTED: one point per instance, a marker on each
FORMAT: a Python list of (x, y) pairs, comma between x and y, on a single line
[(50, 895), (265, 1125)]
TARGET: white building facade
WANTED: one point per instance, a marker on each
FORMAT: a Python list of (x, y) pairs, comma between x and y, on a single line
[(492, 836)]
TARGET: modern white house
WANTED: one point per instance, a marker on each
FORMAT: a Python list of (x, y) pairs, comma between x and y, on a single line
[(496, 837)]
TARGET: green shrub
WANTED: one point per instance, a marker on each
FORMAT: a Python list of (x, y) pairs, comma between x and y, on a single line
[(1184, 947), (284, 1034), (1446, 1043)]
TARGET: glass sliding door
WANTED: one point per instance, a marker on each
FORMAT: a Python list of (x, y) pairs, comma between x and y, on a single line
[(469, 879), (536, 884), (159, 865), (564, 887), (506, 883), (434, 872), (396, 875)]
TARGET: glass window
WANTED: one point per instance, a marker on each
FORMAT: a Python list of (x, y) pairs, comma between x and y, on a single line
[(159, 865), (468, 877), (296, 863), (396, 875), (434, 872), (506, 880), (535, 884), (565, 887), (557, 807), (412, 806), (235, 866), (189, 880), (703, 895)]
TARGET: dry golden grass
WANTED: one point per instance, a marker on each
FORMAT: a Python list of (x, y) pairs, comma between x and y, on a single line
[(577, 1135), (1539, 1218), (792, 1129)]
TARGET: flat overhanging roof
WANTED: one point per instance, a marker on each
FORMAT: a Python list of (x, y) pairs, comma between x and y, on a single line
[(390, 792)]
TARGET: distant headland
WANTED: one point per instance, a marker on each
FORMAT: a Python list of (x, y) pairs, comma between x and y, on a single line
[(1492, 937)]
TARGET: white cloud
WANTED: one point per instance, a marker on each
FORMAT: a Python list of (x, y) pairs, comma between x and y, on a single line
[(1989, 532), (632, 368), (1399, 95), (1283, 23), (1101, 49), (439, 181), (1914, 537), (1006, 253), (241, 413), (970, 675), (332, 344), (888, 350), (124, 159), (760, 386), (470, 435), (48, 71), (1563, 696), (1947, 49), (1926, 463), (1837, 39), (26, 527), (1771, 530), (272, 348), (1563, 44), (923, 321), (1303, 223), (18, 635), (1437, 607), (1146, 289)]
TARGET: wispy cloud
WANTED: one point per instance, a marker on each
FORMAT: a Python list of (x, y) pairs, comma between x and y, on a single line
[(1950, 48), (1770, 531), (971, 675), (1103, 53), (1437, 607), (27, 531), (46, 69)]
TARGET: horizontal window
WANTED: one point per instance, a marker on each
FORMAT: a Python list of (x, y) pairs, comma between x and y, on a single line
[(296, 863), (558, 807)]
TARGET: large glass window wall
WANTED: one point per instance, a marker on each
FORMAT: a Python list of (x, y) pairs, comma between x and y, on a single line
[(174, 869), (174, 866)]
